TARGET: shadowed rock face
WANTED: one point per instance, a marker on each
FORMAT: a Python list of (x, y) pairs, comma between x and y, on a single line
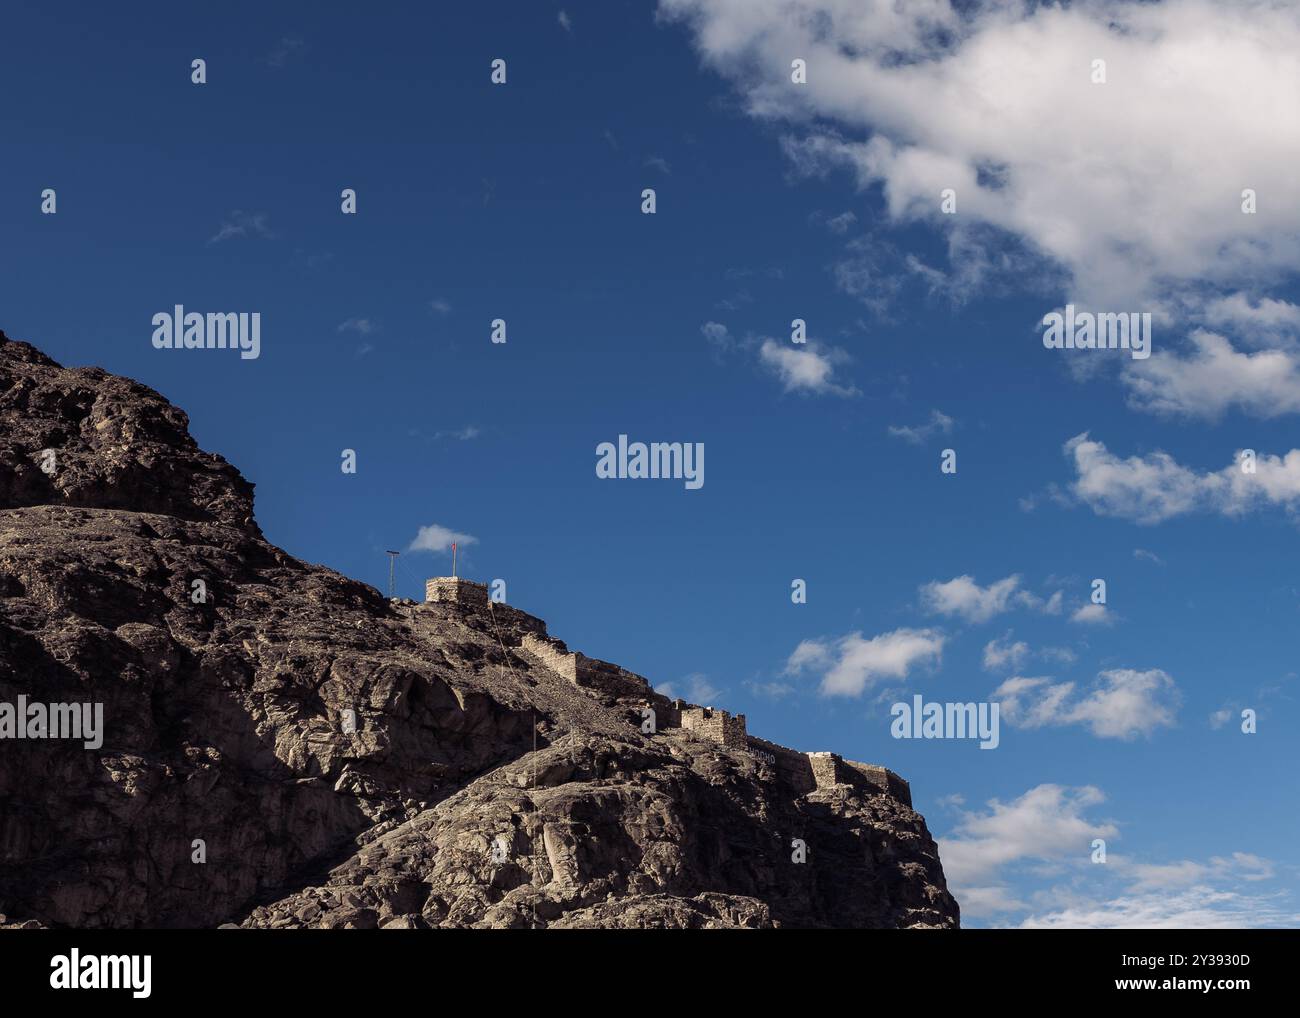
[(476, 787)]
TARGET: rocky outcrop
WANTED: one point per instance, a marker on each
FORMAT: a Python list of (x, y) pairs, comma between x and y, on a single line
[(283, 747)]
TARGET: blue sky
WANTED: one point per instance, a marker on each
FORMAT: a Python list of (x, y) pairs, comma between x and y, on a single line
[(775, 201)]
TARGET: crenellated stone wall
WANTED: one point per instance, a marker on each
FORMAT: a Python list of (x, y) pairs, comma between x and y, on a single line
[(455, 588), (801, 772), (714, 724), (581, 670), (831, 769)]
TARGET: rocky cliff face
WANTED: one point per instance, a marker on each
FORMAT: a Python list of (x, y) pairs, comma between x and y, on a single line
[(469, 786)]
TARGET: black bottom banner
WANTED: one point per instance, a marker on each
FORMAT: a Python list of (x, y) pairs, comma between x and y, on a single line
[(215, 968)]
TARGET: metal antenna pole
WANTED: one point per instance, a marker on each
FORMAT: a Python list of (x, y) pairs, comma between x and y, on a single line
[(392, 561)]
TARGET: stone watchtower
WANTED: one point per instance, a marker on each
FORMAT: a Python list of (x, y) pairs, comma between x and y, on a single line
[(455, 588)]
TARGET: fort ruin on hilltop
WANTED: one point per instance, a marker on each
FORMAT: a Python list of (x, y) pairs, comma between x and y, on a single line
[(804, 772)]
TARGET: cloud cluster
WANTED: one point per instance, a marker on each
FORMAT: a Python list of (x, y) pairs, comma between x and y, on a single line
[(849, 665), (1127, 195), (964, 598), (914, 98), (1122, 704), (939, 423), (1154, 487), (1045, 823), (1197, 908), (1048, 832)]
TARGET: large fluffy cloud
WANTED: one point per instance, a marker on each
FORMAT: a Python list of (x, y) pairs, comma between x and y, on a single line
[(851, 664), (1049, 833), (1122, 704), (1155, 487), (1130, 191)]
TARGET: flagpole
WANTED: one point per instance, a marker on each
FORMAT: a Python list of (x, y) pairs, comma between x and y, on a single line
[(453, 559)]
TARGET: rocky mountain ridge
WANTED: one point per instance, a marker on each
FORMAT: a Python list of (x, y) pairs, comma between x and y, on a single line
[(291, 749)]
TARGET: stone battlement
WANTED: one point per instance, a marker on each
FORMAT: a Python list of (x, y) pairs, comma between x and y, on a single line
[(713, 724), (455, 588), (801, 772), (581, 670)]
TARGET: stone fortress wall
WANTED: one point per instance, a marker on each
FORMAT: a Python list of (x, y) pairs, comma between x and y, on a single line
[(802, 772), (455, 588)]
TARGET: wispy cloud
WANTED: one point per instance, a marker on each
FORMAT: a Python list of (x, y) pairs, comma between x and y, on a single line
[(458, 434), (437, 538), (696, 688), (243, 224), (287, 48), (1196, 908), (361, 326), (939, 422), (964, 598)]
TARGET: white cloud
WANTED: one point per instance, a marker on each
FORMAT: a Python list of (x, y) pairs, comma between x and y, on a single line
[(565, 21), (928, 84), (851, 664), (440, 305), (1002, 654), (939, 422), (1197, 908), (808, 368), (1149, 556), (361, 326), (718, 337), (243, 224), (464, 434), (1127, 194), (1266, 317), (698, 690), (1152, 488), (1049, 828), (1122, 703), (437, 538), (1260, 321), (963, 597), (1093, 615), (289, 46), (841, 223), (1045, 823), (1183, 873), (1215, 378)]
